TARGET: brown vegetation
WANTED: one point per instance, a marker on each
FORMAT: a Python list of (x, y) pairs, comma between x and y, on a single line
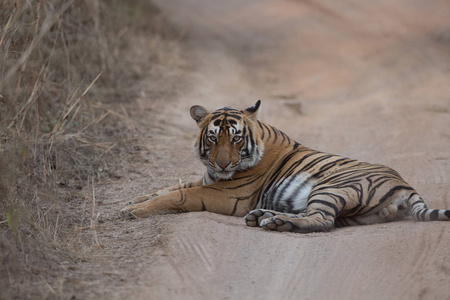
[(67, 68)]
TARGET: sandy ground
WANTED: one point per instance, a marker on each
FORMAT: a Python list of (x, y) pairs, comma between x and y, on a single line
[(365, 79)]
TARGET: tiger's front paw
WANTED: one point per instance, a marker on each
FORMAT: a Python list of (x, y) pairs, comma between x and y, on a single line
[(276, 224), (143, 198), (127, 213), (133, 212), (254, 217), (139, 199)]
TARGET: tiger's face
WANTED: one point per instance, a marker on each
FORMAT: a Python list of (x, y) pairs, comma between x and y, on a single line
[(228, 141)]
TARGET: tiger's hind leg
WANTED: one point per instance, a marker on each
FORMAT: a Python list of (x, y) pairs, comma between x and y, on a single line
[(325, 205), (397, 210), (254, 217), (323, 208)]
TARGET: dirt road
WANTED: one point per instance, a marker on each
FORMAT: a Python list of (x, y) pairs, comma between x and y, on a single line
[(364, 79)]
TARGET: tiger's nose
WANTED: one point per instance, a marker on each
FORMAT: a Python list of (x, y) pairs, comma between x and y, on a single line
[(223, 165)]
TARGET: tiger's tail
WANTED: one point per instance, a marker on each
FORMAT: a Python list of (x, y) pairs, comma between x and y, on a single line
[(420, 212)]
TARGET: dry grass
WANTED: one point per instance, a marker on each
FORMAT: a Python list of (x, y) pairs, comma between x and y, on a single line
[(65, 68)]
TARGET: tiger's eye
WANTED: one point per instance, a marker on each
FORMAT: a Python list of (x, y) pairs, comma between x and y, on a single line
[(237, 139), (212, 139)]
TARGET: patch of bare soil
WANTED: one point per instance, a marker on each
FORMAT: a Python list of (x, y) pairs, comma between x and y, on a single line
[(364, 79)]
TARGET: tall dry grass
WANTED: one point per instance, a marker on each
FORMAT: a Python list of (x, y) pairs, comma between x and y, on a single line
[(62, 63)]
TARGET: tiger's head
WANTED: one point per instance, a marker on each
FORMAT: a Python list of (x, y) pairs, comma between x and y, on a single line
[(228, 140)]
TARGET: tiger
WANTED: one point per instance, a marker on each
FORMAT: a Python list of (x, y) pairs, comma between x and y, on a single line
[(256, 171)]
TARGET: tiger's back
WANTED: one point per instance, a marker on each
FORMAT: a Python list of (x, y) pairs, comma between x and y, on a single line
[(256, 170)]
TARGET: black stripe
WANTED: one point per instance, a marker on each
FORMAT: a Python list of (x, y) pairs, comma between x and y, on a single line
[(210, 187), (317, 213), (268, 130), (225, 115), (416, 216), (244, 198), (340, 179), (326, 203), (325, 212), (247, 183), (274, 133), (235, 207), (215, 117), (182, 200), (340, 222), (272, 181), (355, 211), (328, 166), (331, 195), (389, 194), (262, 130), (246, 139), (422, 215), (284, 137), (342, 175), (393, 190), (373, 190), (252, 139), (202, 144), (415, 202), (434, 215), (412, 194), (226, 109), (292, 167), (315, 161), (349, 161)]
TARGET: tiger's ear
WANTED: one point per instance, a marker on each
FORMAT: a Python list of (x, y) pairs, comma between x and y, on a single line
[(253, 112), (198, 113)]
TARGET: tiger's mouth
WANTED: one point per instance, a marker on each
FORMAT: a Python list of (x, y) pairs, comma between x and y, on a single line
[(224, 175)]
